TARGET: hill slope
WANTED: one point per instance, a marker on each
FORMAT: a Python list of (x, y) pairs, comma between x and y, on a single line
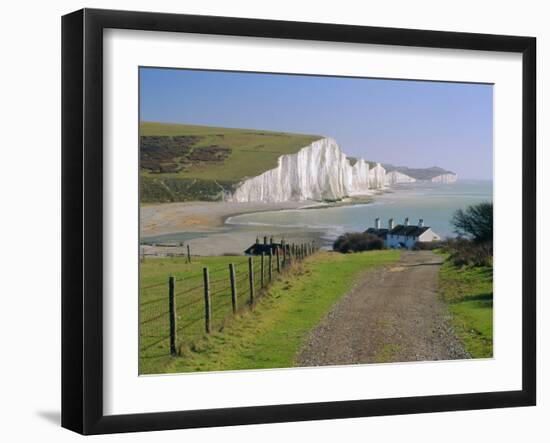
[(418, 173), (185, 162)]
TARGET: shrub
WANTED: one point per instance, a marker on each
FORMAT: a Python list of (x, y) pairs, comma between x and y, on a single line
[(428, 245), (357, 242), (465, 252)]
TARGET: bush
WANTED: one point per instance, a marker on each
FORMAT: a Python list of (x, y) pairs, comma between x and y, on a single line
[(464, 252), (428, 245), (357, 242)]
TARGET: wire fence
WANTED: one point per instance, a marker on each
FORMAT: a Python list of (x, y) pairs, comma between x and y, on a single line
[(178, 311)]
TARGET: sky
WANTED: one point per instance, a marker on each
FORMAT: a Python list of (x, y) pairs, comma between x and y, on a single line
[(405, 123)]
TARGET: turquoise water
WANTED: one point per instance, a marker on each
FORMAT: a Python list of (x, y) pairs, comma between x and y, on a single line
[(433, 202)]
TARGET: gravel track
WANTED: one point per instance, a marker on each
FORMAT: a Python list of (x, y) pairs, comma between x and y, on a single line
[(393, 314)]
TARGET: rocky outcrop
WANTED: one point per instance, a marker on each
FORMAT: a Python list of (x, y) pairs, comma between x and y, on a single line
[(445, 178)]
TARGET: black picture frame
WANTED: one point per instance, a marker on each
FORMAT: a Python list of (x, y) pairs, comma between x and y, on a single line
[(82, 218)]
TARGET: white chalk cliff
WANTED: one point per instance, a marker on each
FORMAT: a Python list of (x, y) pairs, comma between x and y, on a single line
[(445, 178), (319, 171), (394, 177)]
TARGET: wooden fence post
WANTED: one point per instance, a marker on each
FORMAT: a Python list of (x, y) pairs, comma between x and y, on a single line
[(188, 254), (270, 265), (278, 260), (172, 310), (233, 287), (289, 247), (207, 307), (251, 278), (262, 268)]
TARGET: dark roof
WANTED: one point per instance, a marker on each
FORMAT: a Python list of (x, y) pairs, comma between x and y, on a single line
[(382, 232), (258, 248), (409, 231)]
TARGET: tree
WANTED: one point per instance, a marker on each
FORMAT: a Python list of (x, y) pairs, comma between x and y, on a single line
[(476, 222)]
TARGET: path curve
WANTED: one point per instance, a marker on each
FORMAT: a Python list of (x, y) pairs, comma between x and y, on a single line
[(393, 314)]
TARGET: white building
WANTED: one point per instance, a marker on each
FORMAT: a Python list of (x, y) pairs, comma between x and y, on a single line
[(405, 235)]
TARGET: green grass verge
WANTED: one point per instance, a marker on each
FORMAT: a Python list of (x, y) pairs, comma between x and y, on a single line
[(469, 294), (270, 335), (252, 153)]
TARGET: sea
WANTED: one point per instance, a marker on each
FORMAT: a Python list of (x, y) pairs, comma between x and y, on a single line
[(435, 203)]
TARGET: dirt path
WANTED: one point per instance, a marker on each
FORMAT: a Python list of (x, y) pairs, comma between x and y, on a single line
[(392, 315)]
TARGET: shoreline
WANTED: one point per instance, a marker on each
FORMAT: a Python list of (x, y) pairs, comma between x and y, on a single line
[(208, 229), (204, 226), (161, 219), (173, 218)]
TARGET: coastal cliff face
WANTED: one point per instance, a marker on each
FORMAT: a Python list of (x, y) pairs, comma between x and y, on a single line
[(445, 178), (377, 177), (319, 171), (394, 177)]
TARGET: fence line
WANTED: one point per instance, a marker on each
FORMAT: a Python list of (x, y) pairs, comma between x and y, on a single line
[(175, 322)]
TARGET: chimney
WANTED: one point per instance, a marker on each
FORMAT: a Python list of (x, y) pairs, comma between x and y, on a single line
[(421, 223), (390, 224), (377, 223), (406, 221), (265, 239)]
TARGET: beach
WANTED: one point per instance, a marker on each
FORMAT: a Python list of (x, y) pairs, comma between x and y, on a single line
[(167, 228), (167, 218)]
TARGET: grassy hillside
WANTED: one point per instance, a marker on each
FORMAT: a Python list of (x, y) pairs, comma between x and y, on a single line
[(418, 173), (469, 294), (268, 336), (185, 162)]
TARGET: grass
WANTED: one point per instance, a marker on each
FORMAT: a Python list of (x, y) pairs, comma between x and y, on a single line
[(469, 294), (154, 321), (252, 151), (387, 352), (270, 335)]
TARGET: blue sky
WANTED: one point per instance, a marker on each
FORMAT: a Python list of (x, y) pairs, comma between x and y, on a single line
[(409, 123)]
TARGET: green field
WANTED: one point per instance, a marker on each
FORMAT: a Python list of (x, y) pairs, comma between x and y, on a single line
[(469, 294), (269, 336), (188, 162)]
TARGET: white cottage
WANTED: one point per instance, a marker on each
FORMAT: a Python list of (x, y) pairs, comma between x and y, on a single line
[(405, 235)]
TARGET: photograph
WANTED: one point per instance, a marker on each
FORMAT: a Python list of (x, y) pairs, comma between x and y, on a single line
[(292, 220)]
